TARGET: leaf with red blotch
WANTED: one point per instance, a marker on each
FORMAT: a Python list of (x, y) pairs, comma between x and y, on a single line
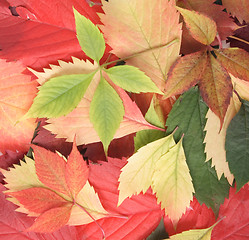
[(234, 215), (196, 217), (238, 9), (154, 34), (17, 92), (43, 32), (13, 225), (142, 211), (216, 87)]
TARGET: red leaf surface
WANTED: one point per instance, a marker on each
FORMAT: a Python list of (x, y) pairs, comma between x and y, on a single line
[(38, 200), (52, 220), (43, 32), (13, 225), (196, 217), (235, 218), (17, 92), (50, 169), (142, 210), (77, 171)]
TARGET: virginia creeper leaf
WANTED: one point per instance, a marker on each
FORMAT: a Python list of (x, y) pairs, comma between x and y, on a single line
[(131, 79), (216, 87), (38, 200), (154, 34), (201, 27), (90, 38), (106, 112), (188, 114), (237, 145), (238, 9), (17, 92), (172, 182), (136, 176), (60, 95), (52, 220), (185, 73), (236, 61)]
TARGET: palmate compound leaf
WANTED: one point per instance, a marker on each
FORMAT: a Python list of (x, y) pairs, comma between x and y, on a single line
[(237, 145), (153, 31), (172, 182), (60, 95), (22, 180), (106, 112), (188, 114), (131, 79), (17, 92), (90, 38), (201, 27)]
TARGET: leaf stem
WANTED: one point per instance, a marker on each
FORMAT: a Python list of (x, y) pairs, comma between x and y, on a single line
[(141, 52), (239, 39)]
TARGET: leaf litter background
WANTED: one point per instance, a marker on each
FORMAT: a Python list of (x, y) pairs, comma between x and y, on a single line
[(40, 36)]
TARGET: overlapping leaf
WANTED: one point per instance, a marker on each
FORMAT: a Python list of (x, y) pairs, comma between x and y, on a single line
[(149, 31)]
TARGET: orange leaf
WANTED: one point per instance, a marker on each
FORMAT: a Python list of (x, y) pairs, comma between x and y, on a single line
[(17, 92), (50, 169), (52, 219), (77, 171), (38, 199), (185, 73), (236, 61), (216, 87)]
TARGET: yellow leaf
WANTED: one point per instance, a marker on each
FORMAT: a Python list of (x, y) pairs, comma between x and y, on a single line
[(172, 182), (136, 176), (201, 27), (241, 87), (196, 234)]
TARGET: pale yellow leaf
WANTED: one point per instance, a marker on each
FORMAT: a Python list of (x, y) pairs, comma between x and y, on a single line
[(136, 176), (149, 31), (241, 87), (172, 182)]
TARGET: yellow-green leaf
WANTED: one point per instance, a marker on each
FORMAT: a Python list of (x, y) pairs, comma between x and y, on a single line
[(201, 27), (136, 176), (172, 182)]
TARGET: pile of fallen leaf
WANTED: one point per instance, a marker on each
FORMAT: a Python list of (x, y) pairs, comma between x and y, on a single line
[(118, 115)]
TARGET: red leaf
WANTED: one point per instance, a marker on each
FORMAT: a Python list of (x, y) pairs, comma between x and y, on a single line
[(50, 169), (77, 171), (38, 200), (13, 224), (196, 217), (52, 220), (234, 212), (143, 212)]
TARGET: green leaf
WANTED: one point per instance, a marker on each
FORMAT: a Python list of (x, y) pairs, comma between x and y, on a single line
[(237, 145), (188, 114), (106, 112), (59, 95), (90, 38), (132, 79)]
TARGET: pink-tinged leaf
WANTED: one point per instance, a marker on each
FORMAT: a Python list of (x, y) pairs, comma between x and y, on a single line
[(235, 218), (17, 92), (13, 225), (154, 34), (196, 217), (216, 87), (43, 32), (52, 220), (77, 171), (37, 199), (136, 218), (185, 73), (50, 169)]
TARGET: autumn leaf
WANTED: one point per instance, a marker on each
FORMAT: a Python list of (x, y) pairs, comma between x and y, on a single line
[(188, 114), (201, 27), (154, 34), (17, 92)]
